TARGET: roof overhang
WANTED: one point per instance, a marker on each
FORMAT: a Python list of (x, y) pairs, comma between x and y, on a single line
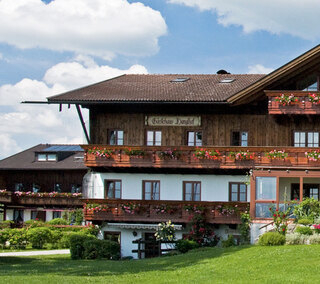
[(298, 64)]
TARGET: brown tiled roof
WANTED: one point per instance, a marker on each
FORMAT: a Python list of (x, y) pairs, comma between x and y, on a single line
[(160, 88), (26, 160)]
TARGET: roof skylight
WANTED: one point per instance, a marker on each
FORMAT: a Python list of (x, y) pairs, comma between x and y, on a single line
[(227, 80), (180, 80)]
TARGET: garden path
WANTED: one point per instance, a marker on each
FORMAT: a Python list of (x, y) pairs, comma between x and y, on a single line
[(36, 252)]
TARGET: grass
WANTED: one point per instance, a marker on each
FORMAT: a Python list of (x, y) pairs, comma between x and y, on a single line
[(248, 264)]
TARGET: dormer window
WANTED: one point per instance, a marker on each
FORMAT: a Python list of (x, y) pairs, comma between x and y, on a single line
[(52, 157)]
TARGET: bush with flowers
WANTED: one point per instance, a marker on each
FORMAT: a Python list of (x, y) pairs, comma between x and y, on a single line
[(101, 153), (242, 155), (173, 154), (165, 232), (286, 100), (207, 154), (227, 210), (313, 155), (276, 154), (314, 98), (280, 218)]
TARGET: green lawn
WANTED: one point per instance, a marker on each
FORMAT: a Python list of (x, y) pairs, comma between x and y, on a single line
[(286, 264)]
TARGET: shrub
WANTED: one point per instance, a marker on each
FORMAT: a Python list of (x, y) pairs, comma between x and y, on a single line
[(229, 242), (77, 245), (295, 239), (309, 208), (94, 249), (305, 221), (6, 224), (18, 238), (38, 237), (314, 239), (4, 236), (185, 245), (58, 221), (34, 223), (304, 230), (272, 239)]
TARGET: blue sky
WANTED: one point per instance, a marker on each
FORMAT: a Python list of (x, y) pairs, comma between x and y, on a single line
[(48, 48)]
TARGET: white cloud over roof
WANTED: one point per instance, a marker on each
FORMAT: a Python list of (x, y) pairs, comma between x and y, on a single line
[(294, 17), (94, 27)]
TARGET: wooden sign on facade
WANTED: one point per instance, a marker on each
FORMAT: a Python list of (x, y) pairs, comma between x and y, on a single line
[(173, 120)]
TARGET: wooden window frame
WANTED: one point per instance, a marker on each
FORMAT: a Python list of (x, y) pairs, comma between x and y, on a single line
[(240, 140), (194, 139), (144, 189), (106, 181), (192, 195), (116, 139), (154, 137), (306, 132), (238, 191)]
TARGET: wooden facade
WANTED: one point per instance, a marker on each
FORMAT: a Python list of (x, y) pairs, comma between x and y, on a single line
[(263, 130)]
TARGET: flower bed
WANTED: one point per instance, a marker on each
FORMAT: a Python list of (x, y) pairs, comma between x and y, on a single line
[(101, 153), (313, 155), (242, 156), (276, 154), (169, 154), (206, 154), (286, 100)]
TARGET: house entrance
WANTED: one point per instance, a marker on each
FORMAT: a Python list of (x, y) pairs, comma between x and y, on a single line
[(151, 246)]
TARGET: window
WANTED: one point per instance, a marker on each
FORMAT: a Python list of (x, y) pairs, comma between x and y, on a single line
[(35, 187), (57, 187), (112, 236), (34, 215), (18, 186), (239, 138), (75, 188), (113, 189), (47, 157), (266, 188), (177, 80), (18, 215), (237, 191), (151, 190), (227, 80), (303, 139), (153, 138), (56, 214), (194, 138), (116, 137), (192, 190)]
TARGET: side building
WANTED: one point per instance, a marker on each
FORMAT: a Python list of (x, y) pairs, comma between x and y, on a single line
[(160, 146), (42, 182)]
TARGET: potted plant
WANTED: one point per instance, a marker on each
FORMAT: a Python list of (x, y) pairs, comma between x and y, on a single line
[(286, 100)]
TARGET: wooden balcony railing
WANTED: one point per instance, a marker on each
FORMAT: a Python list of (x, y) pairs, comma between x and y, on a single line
[(15, 199), (154, 211), (301, 105), (258, 157)]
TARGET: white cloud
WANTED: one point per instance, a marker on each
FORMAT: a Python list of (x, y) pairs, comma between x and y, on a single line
[(294, 17), (44, 123), (259, 69), (94, 27)]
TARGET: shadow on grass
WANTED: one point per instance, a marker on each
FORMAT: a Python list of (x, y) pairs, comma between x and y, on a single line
[(63, 265)]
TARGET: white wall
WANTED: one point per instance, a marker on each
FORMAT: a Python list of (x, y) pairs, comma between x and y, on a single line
[(26, 215), (213, 187), (9, 214)]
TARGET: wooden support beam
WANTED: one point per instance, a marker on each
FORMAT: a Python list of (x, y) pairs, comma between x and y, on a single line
[(83, 124), (301, 188)]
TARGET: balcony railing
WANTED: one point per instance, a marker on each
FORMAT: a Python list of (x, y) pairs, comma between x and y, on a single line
[(300, 102), (225, 157), (153, 211), (41, 199)]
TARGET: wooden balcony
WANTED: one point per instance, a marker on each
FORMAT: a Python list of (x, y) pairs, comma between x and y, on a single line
[(154, 211), (5, 197), (303, 104), (49, 201), (260, 158)]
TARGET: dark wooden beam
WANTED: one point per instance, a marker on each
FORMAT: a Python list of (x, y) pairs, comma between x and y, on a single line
[(83, 124)]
